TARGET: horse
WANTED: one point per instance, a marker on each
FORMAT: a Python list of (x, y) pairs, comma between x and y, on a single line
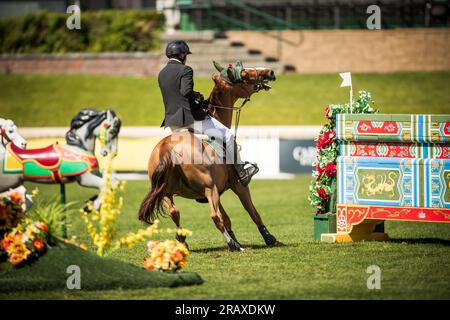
[(74, 161), (210, 178)]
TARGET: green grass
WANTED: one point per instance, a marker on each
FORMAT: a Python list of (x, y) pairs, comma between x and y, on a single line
[(52, 100), (50, 273), (415, 264)]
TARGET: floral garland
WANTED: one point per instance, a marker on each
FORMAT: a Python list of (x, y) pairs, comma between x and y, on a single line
[(324, 172), (166, 256)]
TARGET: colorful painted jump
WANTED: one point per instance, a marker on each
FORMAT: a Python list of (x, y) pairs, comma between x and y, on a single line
[(391, 167)]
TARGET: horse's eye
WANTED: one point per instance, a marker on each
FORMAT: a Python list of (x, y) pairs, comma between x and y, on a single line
[(11, 130)]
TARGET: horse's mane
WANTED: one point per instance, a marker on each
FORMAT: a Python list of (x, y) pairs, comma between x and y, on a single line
[(116, 124), (84, 116)]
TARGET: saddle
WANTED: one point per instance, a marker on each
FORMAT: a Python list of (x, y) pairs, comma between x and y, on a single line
[(51, 163), (47, 157), (217, 147)]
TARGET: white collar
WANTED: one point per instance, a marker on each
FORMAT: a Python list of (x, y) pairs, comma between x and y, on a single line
[(175, 59)]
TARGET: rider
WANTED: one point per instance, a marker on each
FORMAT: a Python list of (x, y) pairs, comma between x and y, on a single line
[(184, 107)]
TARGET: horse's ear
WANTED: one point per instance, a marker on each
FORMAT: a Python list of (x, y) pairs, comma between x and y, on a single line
[(217, 66)]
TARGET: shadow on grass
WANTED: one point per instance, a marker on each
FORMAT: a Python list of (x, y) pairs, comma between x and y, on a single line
[(246, 247), (443, 242)]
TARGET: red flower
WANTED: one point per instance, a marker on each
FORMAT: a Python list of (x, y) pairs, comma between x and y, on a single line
[(42, 226), (325, 139), (322, 193), (177, 256), (16, 198), (330, 170), (320, 211), (319, 169), (6, 243), (230, 66), (148, 263), (327, 113), (38, 244)]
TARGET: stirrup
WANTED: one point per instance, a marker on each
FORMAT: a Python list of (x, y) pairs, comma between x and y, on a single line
[(245, 175)]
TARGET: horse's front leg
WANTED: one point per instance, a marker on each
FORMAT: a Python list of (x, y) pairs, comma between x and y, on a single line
[(243, 192), (91, 180), (227, 223)]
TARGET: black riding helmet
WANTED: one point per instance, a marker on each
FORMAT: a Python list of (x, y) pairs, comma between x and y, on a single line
[(177, 47)]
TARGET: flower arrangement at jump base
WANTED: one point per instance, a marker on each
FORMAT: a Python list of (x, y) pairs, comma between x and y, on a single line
[(166, 256), (324, 172), (26, 242), (101, 227)]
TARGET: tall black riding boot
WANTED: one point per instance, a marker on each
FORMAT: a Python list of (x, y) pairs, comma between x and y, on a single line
[(244, 170)]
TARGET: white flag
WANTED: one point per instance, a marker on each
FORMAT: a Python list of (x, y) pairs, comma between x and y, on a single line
[(346, 79)]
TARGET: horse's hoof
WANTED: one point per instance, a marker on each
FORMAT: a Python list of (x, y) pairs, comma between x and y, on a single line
[(277, 244), (180, 238), (234, 246), (270, 240)]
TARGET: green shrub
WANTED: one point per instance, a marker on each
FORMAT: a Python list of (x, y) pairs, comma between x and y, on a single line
[(112, 30)]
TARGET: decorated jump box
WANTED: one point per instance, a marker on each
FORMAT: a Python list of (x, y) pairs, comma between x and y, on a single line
[(391, 167)]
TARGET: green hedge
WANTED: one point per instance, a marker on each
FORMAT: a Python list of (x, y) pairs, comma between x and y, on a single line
[(111, 30)]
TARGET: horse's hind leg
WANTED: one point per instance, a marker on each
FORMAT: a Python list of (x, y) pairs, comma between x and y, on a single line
[(175, 215), (243, 193), (216, 215), (227, 223)]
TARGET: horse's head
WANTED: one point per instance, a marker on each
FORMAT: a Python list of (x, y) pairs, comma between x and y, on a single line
[(108, 134), (9, 133), (89, 124), (244, 81)]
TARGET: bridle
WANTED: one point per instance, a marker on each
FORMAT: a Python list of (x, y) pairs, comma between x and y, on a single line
[(5, 138), (259, 85)]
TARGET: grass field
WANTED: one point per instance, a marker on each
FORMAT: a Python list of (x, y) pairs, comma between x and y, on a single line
[(415, 264), (38, 100)]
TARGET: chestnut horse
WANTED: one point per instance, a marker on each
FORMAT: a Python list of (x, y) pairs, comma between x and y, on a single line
[(209, 178)]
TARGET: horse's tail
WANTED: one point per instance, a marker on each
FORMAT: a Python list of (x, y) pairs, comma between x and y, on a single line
[(152, 205)]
